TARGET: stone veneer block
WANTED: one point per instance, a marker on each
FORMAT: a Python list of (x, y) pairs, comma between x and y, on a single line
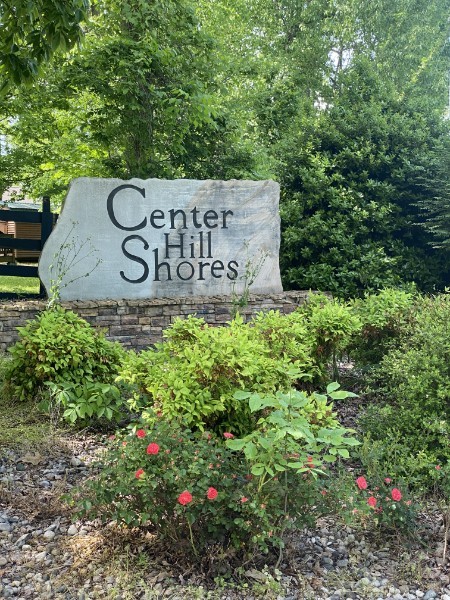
[(153, 238)]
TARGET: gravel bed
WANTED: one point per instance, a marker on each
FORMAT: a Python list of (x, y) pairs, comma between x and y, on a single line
[(44, 555)]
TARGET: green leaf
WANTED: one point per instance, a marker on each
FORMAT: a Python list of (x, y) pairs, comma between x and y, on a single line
[(257, 470), (341, 395), (343, 452), (331, 387), (235, 444), (241, 395), (329, 458), (255, 403), (351, 441), (251, 451), (296, 465)]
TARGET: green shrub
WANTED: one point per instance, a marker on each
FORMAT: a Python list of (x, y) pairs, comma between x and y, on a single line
[(84, 402), (5, 360), (288, 336), (412, 391), (161, 481), (384, 317), (59, 346), (196, 370), (293, 429), (330, 324)]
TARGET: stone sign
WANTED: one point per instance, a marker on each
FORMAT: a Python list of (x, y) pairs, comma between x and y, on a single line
[(155, 238)]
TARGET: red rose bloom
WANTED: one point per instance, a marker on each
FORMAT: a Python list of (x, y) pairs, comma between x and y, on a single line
[(140, 433), (228, 436), (152, 448), (396, 495), (438, 467), (243, 499), (185, 497), (372, 501), (139, 473), (361, 483), (211, 493), (387, 480)]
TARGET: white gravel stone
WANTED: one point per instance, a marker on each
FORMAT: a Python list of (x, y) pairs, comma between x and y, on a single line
[(40, 556), (72, 530)]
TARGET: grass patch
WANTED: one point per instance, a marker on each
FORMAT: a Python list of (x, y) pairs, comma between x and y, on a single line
[(19, 285), (21, 424)]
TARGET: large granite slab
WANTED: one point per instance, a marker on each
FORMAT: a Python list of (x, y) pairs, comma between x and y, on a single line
[(156, 238)]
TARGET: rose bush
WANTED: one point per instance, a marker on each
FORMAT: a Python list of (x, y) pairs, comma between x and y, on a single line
[(189, 487), (206, 489), (374, 502)]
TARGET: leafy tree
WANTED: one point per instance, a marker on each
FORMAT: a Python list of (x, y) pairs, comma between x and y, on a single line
[(340, 101), (32, 31), (138, 100), (350, 185), (435, 202)]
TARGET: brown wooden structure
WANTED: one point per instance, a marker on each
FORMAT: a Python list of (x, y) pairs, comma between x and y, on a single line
[(23, 233)]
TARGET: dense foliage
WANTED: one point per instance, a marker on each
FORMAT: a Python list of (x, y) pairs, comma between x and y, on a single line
[(332, 100), (384, 317), (412, 387), (191, 487), (196, 371), (351, 185), (32, 31), (59, 346)]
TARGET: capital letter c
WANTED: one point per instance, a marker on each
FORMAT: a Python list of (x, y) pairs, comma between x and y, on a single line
[(110, 207)]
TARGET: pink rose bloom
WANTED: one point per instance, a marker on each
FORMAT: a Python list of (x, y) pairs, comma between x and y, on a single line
[(361, 483), (396, 495), (211, 493), (152, 448), (185, 497)]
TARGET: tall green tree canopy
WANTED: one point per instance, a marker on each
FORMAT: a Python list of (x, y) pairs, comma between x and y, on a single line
[(342, 101), (32, 30)]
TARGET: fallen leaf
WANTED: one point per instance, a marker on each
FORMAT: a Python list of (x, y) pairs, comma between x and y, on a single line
[(32, 459)]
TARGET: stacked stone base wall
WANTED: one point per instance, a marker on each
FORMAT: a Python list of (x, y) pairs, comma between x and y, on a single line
[(138, 324)]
